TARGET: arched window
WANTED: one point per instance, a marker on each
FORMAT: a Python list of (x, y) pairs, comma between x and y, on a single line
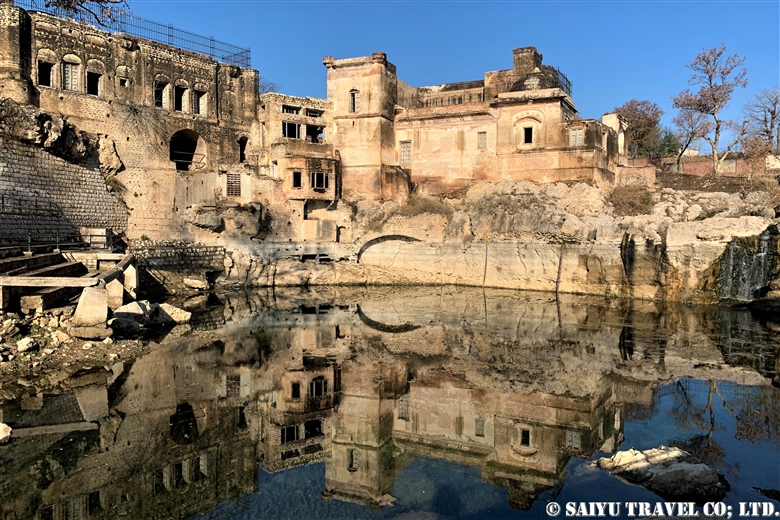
[(187, 150)]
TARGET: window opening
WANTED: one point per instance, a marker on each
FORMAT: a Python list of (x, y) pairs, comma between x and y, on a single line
[(160, 90), (45, 74), (233, 185), (354, 100), (352, 460), (289, 434), (319, 181), (318, 387), (287, 109), (93, 502), (242, 149), (576, 137), (479, 427), (313, 134), (70, 76), (93, 83), (313, 113), (295, 391), (199, 102), (406, 153), (233, 384), (123, 82), (179, 94), (481, 139), (312, 428), (403, 408), (203, 464), (47, 513), (528, 135), (297, 182), (525, 437), (185, 147), (291, 130)]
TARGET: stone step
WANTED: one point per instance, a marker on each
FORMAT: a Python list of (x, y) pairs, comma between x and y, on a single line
[(10, 295), (17, 264)]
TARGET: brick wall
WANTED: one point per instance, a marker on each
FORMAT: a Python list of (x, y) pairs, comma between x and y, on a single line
[(46, 196)]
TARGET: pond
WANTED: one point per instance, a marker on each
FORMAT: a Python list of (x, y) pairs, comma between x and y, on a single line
[(414, 403)]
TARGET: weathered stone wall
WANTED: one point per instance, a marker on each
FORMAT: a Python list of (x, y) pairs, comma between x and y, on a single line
[(164, 264), (47, 196)]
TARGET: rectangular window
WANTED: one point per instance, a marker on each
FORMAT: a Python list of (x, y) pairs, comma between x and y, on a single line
[(479, 427), (47, 513), (160, 94), (295, 391), (45, 74), (179, 97), (289, 434), (70, 76), (403, 408), (233, 185), (354, 101), (123, 82), (287, 109), (199, 102), (576, 137), (525, 437), (93, 83), (291, 130), (297, 180), (481, 139), (93, 502), (318, 388), (406, 153), (528, 135), (313, 113), (319, 181)]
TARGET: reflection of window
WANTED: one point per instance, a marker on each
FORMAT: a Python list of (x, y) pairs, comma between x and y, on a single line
[(297, 182), (481, 139), (403, 408), (479, 427), (525, 437), (576, 137), (70, 76), (289, 434), (528, 135), (291, 130), (319, 181), (45, 74), (406, 153), (233, 384), (233, 184), (318, 387), (352, 460)]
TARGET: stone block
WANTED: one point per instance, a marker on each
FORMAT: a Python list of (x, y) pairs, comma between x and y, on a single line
[(92, 308)]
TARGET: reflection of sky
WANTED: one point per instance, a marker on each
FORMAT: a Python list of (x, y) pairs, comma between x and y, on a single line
[(450, 490)]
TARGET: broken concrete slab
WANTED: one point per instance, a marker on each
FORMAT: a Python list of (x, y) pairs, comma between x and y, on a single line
[(92, 308), (174, 313), (136, 311), (95, 332)]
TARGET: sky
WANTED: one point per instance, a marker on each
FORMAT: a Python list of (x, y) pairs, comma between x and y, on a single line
[(612, 51)]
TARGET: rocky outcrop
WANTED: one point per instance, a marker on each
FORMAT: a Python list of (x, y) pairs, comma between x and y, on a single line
[(671, 473)]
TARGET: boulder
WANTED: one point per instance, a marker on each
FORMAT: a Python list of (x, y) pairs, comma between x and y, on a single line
[(136, 311), (95, 332), (671, 473), (174, 313), (5, 433), (192, 283), (25, 344), (92, 308), (124, 326)]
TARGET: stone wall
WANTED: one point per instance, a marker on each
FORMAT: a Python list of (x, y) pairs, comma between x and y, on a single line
[(164, 264), (46, 196)]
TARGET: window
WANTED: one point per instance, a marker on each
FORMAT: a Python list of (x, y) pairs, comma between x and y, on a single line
[(70, 76), (318, 387), (289, 434), (233, 384), (314, 134), (528, 135), (295, 391), (123, 82), (352, 460), (242, 149), (313, 113), (287, 109), (481, 139), (479, 427), (160, 94), (291, 130), (406, 153), (93, 83), (354, 100), (179, 97), (47, 513), (93, 502), (312, 428), (525, 437), (233, 185), (199, 102), (403, 408), (45, 74), (203, 464), (319, 181), (297, 182), (576, 137)]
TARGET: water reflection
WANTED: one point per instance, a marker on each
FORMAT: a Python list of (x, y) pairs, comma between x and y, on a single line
[(512, 385)]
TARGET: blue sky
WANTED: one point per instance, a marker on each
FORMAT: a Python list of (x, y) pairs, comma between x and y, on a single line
[(612, 51)]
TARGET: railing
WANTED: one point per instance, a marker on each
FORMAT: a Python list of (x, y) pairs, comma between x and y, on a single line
[(120, 21), (187, 159)]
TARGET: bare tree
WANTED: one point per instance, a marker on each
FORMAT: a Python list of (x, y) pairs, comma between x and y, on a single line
[(265, 85), (762, 113), (717, 76), (102, 11), (689, 126)]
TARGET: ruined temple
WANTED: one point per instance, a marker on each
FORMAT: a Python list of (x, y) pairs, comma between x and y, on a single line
[(196, 149)]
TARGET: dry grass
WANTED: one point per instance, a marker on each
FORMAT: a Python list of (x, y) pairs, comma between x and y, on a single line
[(419, 204), (631, 201)]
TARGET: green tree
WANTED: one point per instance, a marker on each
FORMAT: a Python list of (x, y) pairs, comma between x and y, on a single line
[(717, 76)]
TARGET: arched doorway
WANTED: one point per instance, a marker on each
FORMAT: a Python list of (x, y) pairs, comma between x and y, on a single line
[(187, 150)]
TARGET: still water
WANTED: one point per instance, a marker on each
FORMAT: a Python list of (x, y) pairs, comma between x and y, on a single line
[(424, 403)]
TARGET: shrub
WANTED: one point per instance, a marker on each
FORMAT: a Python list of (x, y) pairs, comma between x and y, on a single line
[(419, 204), (631, 201)]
